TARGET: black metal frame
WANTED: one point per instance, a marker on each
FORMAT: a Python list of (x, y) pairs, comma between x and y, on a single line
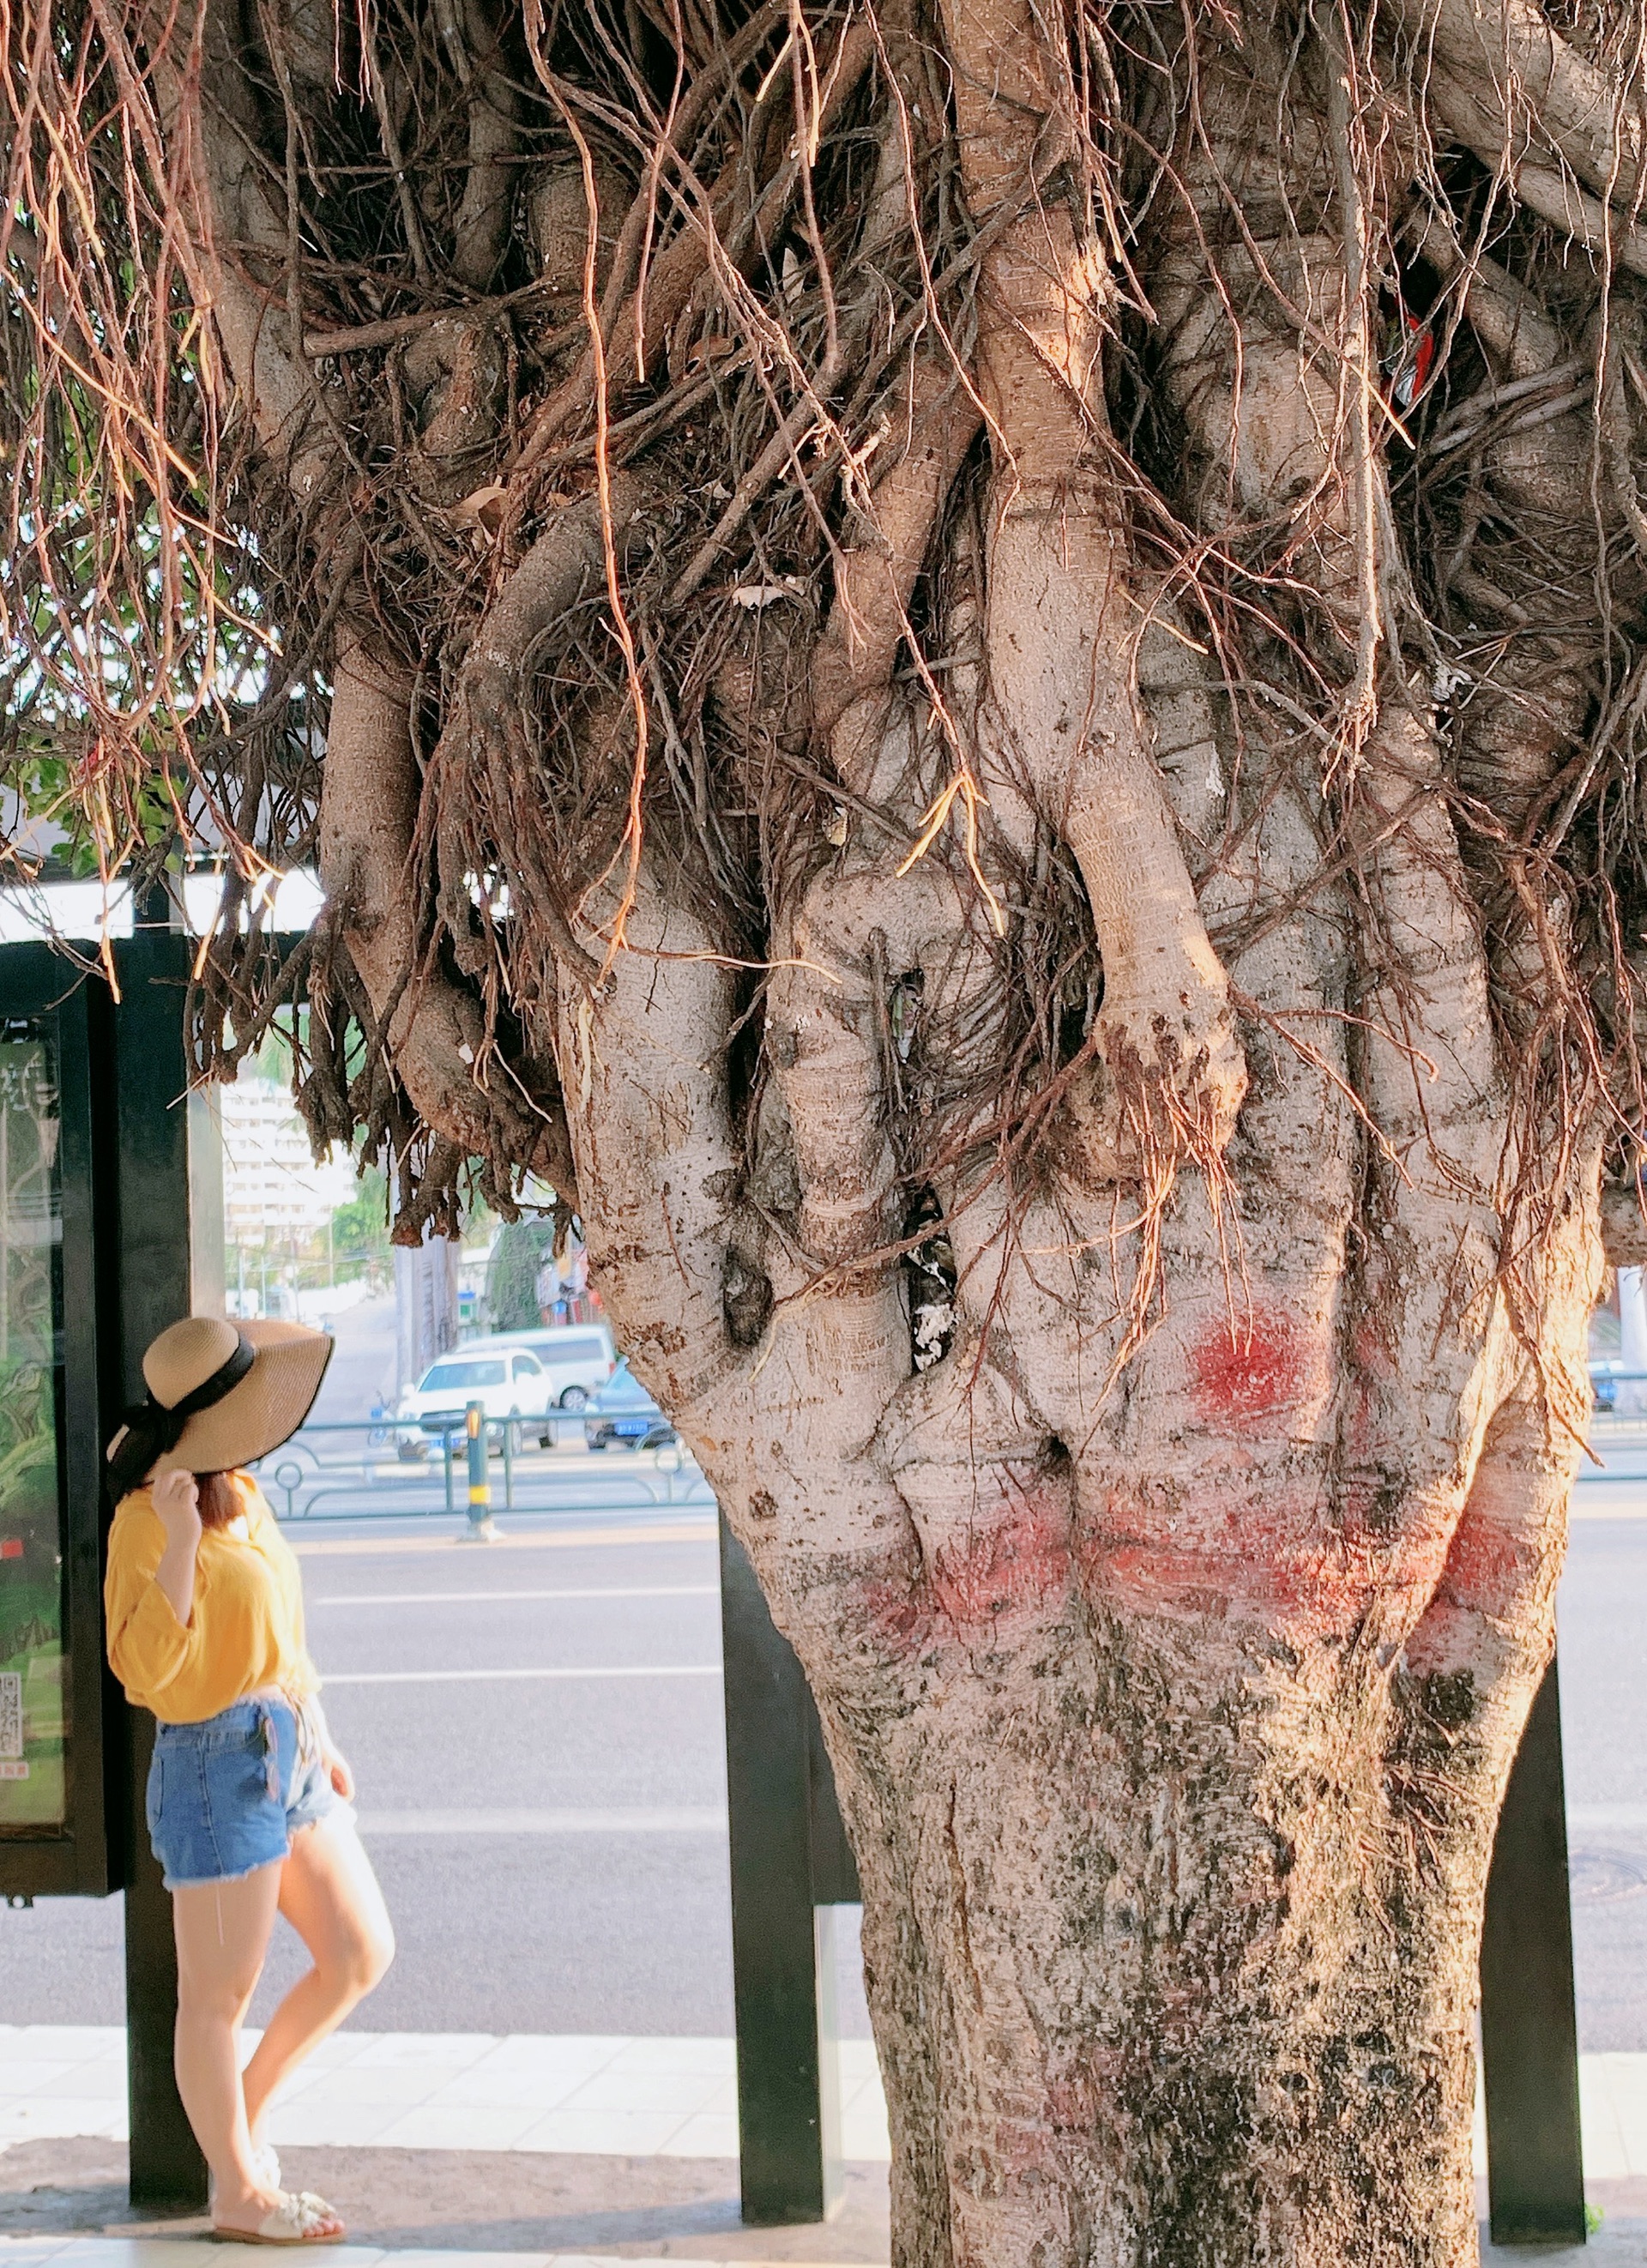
[(83, 1857), (1535, 2174), (790, 1863), (127, 1209), (157, 1284)]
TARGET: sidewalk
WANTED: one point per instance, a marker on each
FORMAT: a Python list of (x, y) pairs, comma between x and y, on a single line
[(1610, 2248), (673, 2098), (547, 2092), (456, 2150)]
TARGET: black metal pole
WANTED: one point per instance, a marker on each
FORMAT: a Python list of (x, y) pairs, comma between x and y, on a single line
[(1529, 2025), (168, 2174), (787, 2135)]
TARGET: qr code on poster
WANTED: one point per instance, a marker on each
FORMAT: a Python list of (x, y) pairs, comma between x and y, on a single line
[(10, 1713)]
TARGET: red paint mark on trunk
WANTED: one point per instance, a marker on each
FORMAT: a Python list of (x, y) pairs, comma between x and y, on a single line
[(1288, 1553), (1369, 1352), (1249, 1367), (1011, 1559), (1003, 1566)]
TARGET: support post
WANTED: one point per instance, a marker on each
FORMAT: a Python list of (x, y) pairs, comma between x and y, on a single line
[(479, 1479), (168, 2174), (1529, 2026), (791, 1864)]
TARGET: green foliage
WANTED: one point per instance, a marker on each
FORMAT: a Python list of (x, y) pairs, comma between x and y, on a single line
[(360, 1229), (512, 1279)]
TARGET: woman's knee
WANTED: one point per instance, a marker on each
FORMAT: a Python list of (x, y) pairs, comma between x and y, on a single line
[(360, 1961), (217, 1994), (381, 1954), (374, 1955)]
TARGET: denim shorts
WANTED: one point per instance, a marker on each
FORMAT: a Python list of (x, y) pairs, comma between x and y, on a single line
[(227, 1795)]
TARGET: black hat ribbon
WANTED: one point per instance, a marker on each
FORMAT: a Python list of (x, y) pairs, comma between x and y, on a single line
[(150, 1429)]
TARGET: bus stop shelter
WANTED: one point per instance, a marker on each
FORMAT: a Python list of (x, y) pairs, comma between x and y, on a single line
[(111, 1228)]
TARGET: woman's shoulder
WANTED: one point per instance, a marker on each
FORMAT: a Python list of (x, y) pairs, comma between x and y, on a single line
[(135, 1528), (136, 1508)]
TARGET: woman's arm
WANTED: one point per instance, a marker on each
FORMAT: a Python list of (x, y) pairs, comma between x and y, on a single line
[(176, 1498)]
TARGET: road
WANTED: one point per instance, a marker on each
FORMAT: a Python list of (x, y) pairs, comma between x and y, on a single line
[(593, 1899), (1602, 1609)]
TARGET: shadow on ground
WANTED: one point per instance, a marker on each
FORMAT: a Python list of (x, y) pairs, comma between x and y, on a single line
[(626, 2208), (471, 2200)]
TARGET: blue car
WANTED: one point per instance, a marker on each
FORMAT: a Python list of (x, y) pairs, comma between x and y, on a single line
[(623, 1415)]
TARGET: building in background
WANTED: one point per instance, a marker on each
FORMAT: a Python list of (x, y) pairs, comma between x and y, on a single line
[(1629, 1396), (278, 1200)]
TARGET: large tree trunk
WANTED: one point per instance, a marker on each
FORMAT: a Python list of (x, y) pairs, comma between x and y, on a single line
[(985, 678), (1173, 1886), (1169, 1976)]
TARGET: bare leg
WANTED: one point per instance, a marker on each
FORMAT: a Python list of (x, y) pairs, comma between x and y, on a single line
[(221, 1931), (330, 1896)]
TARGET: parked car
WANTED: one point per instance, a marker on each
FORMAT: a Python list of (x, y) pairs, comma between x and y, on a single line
[(624, 1416), (1603, 1382), (507, 1381), (577, 1359)]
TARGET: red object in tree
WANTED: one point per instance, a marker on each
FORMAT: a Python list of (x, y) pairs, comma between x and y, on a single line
[(1409, 357)]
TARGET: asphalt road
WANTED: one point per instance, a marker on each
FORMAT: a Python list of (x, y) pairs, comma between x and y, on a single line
[(593, 1897), (1602, 1609)]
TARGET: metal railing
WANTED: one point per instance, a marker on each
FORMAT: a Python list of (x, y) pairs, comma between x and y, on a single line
[(1617, 1431), (357, 1470)]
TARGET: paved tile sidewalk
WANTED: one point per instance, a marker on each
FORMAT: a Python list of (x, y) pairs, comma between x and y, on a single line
[(447, 2091), (1614, 2249), (185, 2252), (625, 2097), (634, 2098)]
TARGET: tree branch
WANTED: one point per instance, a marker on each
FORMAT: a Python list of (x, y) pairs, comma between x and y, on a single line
[(434, 1034), (1479, 114), (1542, 80), (1061, 631), (473, 35)]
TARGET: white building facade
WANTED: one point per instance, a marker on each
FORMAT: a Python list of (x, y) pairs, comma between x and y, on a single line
[(272, 1189)]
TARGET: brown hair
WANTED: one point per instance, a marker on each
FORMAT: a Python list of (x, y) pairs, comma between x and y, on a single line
[(219, 1499)]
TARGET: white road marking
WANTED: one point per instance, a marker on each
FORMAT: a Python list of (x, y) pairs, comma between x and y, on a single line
[(483, 1676), (449, 1598), (1608, 1818), (702, 1819), (664, 1531)]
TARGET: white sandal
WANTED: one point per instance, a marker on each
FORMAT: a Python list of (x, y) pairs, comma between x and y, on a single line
[(298, 2218)]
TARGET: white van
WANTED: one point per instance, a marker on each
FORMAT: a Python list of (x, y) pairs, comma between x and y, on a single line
[(506, 1382), (577, 1359)]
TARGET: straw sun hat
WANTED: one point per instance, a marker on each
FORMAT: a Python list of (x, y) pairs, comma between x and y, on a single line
[(220, 1395)]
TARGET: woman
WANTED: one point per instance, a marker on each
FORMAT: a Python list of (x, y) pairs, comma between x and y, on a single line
[(248, 1799)]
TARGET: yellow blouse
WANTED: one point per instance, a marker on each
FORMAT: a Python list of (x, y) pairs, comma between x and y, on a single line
[(246, 1627)]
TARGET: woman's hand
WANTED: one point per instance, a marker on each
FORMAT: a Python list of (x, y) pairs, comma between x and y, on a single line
[(337, 1768), (176, 1498), (176, 1501)]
